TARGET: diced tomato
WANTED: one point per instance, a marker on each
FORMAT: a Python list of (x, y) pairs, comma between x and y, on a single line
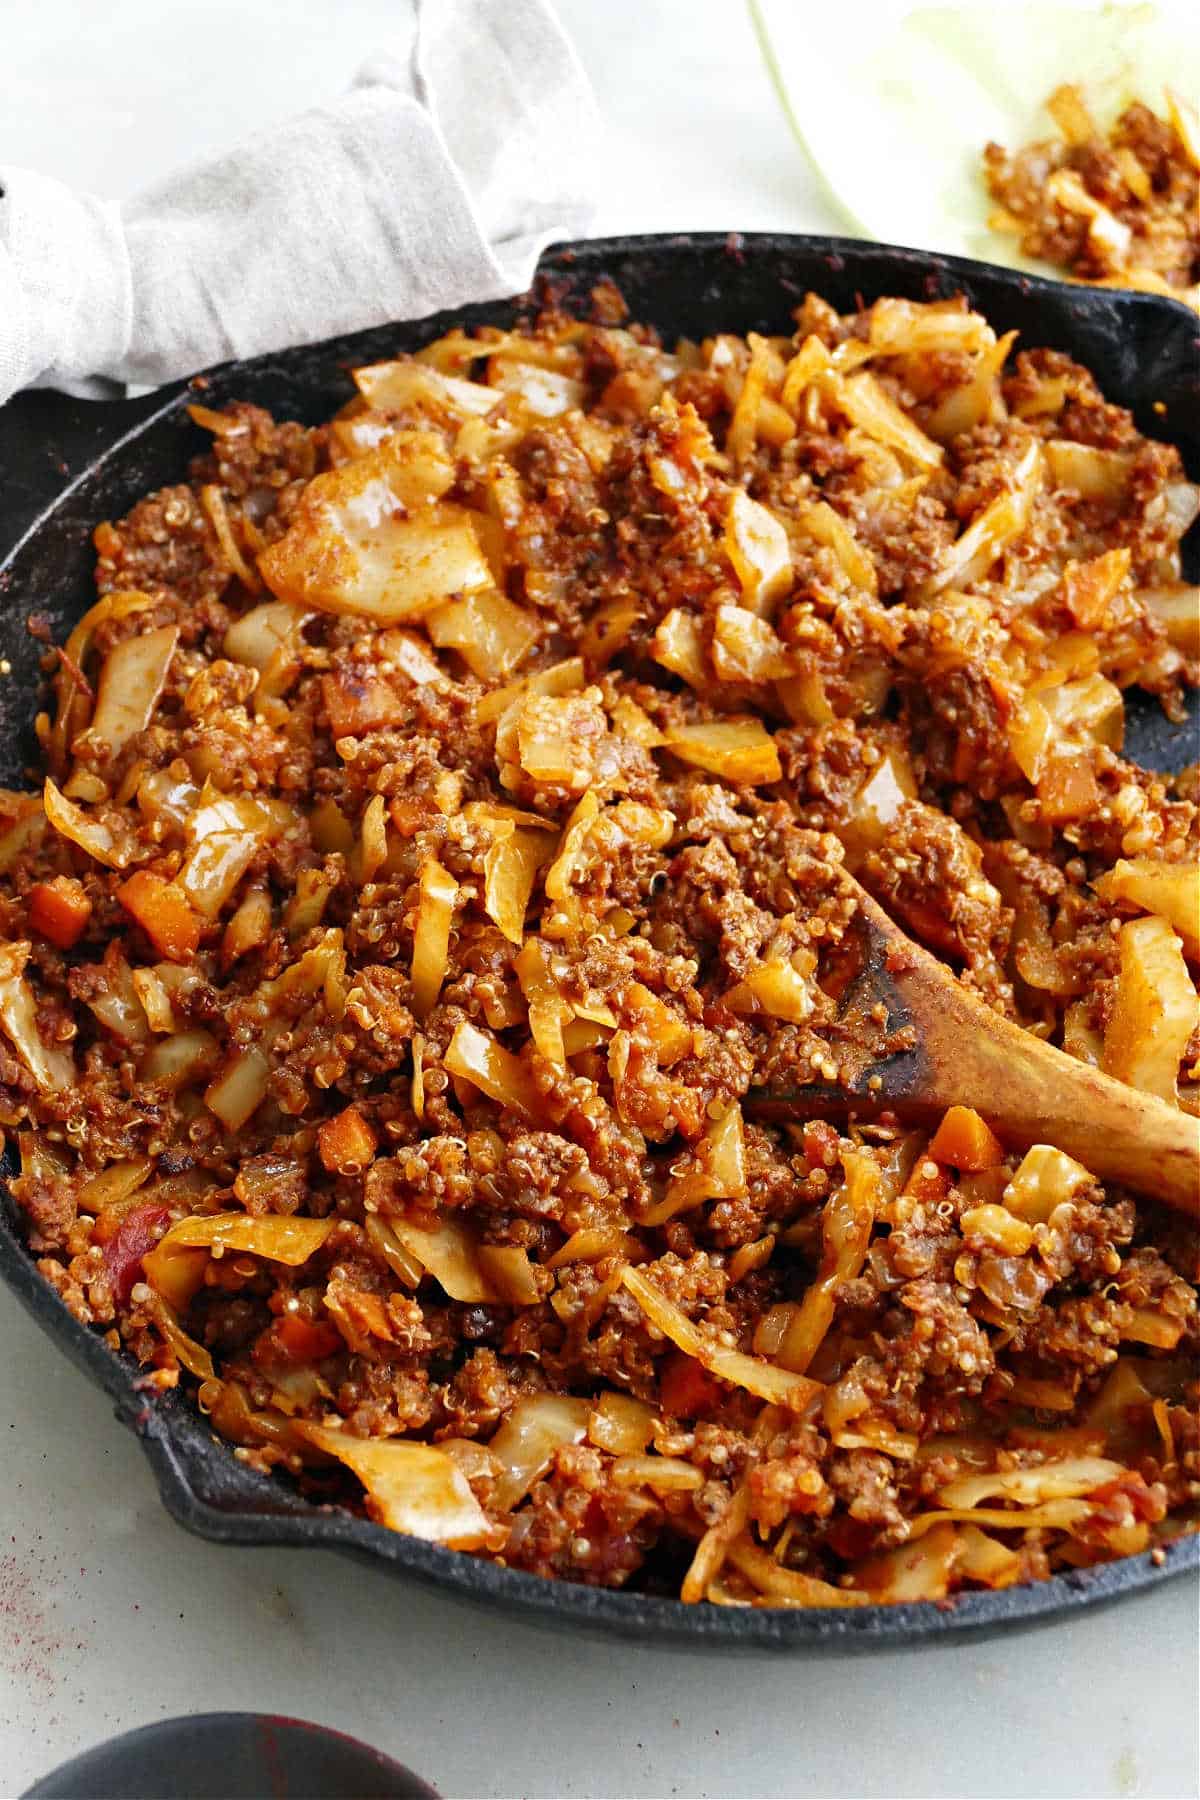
[(59, 910), (686, 1387), (164, 914), (123, 1253), (1145, 1502), (820, 1144), (929, 1183), (851, 1539)]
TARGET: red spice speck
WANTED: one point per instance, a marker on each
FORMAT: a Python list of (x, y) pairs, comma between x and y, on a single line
[(30, 1648)]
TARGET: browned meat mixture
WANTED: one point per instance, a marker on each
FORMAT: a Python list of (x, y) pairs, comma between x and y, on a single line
[(1121, 207), (441, 842)]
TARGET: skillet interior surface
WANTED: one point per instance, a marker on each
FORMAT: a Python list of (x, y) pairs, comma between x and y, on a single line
[(67, 464)]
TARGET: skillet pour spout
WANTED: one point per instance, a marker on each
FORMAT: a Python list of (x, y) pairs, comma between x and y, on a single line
[(67, 464)]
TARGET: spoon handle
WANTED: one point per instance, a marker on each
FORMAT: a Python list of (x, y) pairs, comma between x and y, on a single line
[(1034, 1093)]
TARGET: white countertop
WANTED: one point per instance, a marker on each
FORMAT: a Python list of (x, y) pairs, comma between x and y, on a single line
[(110, 1615)]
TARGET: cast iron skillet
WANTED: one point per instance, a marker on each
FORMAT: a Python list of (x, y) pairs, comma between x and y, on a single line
[(65, 465)]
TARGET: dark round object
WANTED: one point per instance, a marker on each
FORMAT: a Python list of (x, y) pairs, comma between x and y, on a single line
[(70, 463), (232, 1756)]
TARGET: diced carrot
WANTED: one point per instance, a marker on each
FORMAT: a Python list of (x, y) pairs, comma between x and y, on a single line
[(163, 912), (686, 1388), (964, 1142), (59, 910), (346, 1143), (301, 1341)]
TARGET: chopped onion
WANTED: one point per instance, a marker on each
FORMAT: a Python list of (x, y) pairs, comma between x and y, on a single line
[(180, 1058), (665, 1474), (239, 1089), (622, 1425)]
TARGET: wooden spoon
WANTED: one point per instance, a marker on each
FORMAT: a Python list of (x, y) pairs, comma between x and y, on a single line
[(967, 1055)]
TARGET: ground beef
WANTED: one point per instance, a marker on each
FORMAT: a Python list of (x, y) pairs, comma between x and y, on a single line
[(384, 1030), (1140, 171)]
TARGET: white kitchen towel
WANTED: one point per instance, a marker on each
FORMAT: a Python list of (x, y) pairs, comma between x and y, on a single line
[(437, 180)]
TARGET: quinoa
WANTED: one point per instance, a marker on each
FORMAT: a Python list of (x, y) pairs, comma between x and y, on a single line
[(441, 845), (1120, 207)]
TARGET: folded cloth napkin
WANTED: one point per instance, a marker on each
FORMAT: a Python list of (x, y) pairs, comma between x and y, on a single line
[(436, 180)]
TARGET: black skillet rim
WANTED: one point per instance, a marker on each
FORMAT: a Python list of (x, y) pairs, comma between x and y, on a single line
[(202, 1486)]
